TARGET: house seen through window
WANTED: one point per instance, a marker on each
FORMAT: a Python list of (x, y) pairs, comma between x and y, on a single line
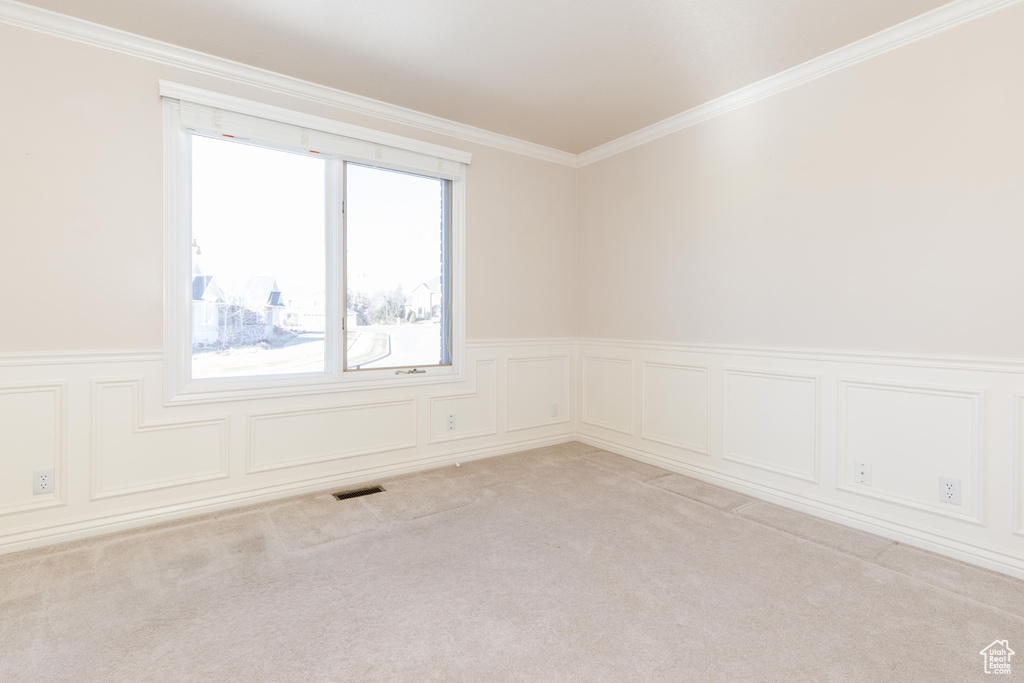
[(262, 230)]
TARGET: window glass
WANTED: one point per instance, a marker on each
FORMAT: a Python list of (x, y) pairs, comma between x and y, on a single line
[(258, 260), (397, 288)]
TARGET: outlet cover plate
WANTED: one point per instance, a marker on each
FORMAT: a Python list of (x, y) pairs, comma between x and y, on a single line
[(862, 473), (949, 490), (42, 482)]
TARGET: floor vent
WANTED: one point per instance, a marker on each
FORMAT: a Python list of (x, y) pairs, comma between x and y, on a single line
[(357, 494)]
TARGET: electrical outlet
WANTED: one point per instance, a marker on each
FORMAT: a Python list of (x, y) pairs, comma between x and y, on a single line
[(451, 422), (42, 482), (862, 473), (949, 490), (554, 410)]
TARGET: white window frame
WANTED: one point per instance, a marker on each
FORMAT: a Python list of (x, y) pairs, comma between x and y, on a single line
[(190, 110)]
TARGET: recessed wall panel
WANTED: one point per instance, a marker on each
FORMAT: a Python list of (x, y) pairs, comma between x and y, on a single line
[(538, 392), (771, 422), (608, 393), (31, 438), (131, 455), (287, 439), (911, 436), (475, 414), (675, 405)]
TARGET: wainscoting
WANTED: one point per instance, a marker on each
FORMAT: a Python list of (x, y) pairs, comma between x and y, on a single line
[(121, 458), (789, 426)]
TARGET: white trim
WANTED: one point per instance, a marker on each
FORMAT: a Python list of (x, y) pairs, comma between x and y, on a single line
[(815, 381), (47, 533), (252, 418), (512, 360), (140, 426), (1018, 465), (87, 33), (910, 31), (583, 389), (179, 387), (210, 98), (706, 369), (918, 360), (18, 358), (950, 545), (525, 341), (106, 38), (59, 496), (457, 435), (977, 398), (26, 358), (95, 35)]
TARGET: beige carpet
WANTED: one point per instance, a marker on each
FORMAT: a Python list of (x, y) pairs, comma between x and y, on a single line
[(560, 564)]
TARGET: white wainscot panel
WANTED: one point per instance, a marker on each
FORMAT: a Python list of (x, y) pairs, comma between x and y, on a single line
[(476, 414), (675, 405), (130, 456), (608, 393), (771, 422), (538, 392), (911, 436), (31, 438), (1018, 464), (301, 437)]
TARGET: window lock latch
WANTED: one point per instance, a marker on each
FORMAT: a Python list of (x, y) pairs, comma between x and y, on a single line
[(414, 371)]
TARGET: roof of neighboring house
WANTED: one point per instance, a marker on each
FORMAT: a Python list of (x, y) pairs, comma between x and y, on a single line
[(433, 285), (260, 291), (204, 288)]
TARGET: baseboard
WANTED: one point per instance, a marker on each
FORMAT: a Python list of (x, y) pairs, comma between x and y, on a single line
[(960, 549), (49, 534)]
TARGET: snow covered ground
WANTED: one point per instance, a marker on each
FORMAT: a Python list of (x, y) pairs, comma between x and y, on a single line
[(370, 346)]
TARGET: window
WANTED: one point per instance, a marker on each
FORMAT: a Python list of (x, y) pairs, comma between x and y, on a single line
[(259, 231), (304, 254), (396, 269)]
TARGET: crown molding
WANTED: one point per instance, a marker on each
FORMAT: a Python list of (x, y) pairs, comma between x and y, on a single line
[(936, 21), (88, 33)]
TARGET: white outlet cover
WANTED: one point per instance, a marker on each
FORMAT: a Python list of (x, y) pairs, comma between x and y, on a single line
[(42, 482), (949, 490), (554, 410), (862, 473)]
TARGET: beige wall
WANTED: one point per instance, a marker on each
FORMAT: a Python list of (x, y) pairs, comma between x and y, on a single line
[(81, 206), (879, 208)]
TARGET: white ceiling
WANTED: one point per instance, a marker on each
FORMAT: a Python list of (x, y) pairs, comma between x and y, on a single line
[(570, 74)]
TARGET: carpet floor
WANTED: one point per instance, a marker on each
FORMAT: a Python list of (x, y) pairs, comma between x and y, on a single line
[(564, 563)]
